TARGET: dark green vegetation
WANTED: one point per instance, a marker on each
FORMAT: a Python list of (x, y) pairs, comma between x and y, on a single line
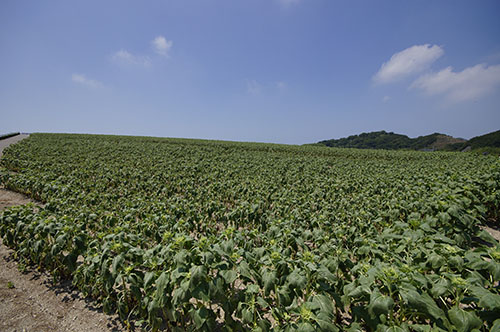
[(391, 141), (489, 142), (4, 136), (204, 235)]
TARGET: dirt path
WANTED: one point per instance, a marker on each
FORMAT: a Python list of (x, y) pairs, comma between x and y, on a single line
[(30, 302)]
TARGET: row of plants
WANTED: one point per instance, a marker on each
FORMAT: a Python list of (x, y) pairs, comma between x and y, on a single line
[(203, 235), (8, 135)]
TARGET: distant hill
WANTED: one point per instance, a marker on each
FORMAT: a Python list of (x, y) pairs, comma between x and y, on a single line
[(488, 142), (392, 141)]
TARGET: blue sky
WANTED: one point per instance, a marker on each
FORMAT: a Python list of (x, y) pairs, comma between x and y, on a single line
[(282, 71)]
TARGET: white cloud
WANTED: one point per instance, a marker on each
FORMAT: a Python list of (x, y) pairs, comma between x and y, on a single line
[(81, 79), (161, 45), (470, 83), (288, 3), (409, 61), (253, 87), (125, 57), (386, 99)]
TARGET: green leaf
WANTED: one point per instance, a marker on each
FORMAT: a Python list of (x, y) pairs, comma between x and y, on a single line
[(456, 261), (355, 327), (198, 275), (359, 291), (494, 269), (247, 315), (323, 303), (148, 279), (326, 325), (262, 303), (269, 280), (464, 321), (475, 261), (264, 325), (229, 275), (253, 289), (440, 287), (296, 280), (306, 327), (245, 270), (395, 329), (496, 326), (423, 303), (324, 273), (117, 263), (181, 257), (487, 299), (61, 240), (79, 242), (379, 304), (179, 296), (199, 316), (161, 282), (201, 292), (436, 260), (425, 328), (490, 301), (153, 307), (485, 236), (285, 296)]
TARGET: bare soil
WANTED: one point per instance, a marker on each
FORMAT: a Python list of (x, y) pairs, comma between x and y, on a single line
[(444, 140), (10, 198)]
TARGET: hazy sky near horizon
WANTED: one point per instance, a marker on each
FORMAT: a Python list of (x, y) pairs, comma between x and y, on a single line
[(281, 71)]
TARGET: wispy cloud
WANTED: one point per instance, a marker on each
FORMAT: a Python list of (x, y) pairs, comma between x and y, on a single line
[(470, 83), (412, 60), (83, 80), (386, 99), (161, 45), (125, 57), (254, 87)]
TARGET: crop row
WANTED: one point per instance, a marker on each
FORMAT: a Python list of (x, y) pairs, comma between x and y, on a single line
[(203, 235)]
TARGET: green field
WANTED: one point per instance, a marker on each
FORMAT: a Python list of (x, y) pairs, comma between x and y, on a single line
[(206, 235)]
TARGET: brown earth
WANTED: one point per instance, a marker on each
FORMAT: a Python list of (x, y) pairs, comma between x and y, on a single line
[(443, 140), (10, 198)]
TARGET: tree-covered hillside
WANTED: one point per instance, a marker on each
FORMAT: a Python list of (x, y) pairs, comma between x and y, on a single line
[(491, 140), (390, 141)]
